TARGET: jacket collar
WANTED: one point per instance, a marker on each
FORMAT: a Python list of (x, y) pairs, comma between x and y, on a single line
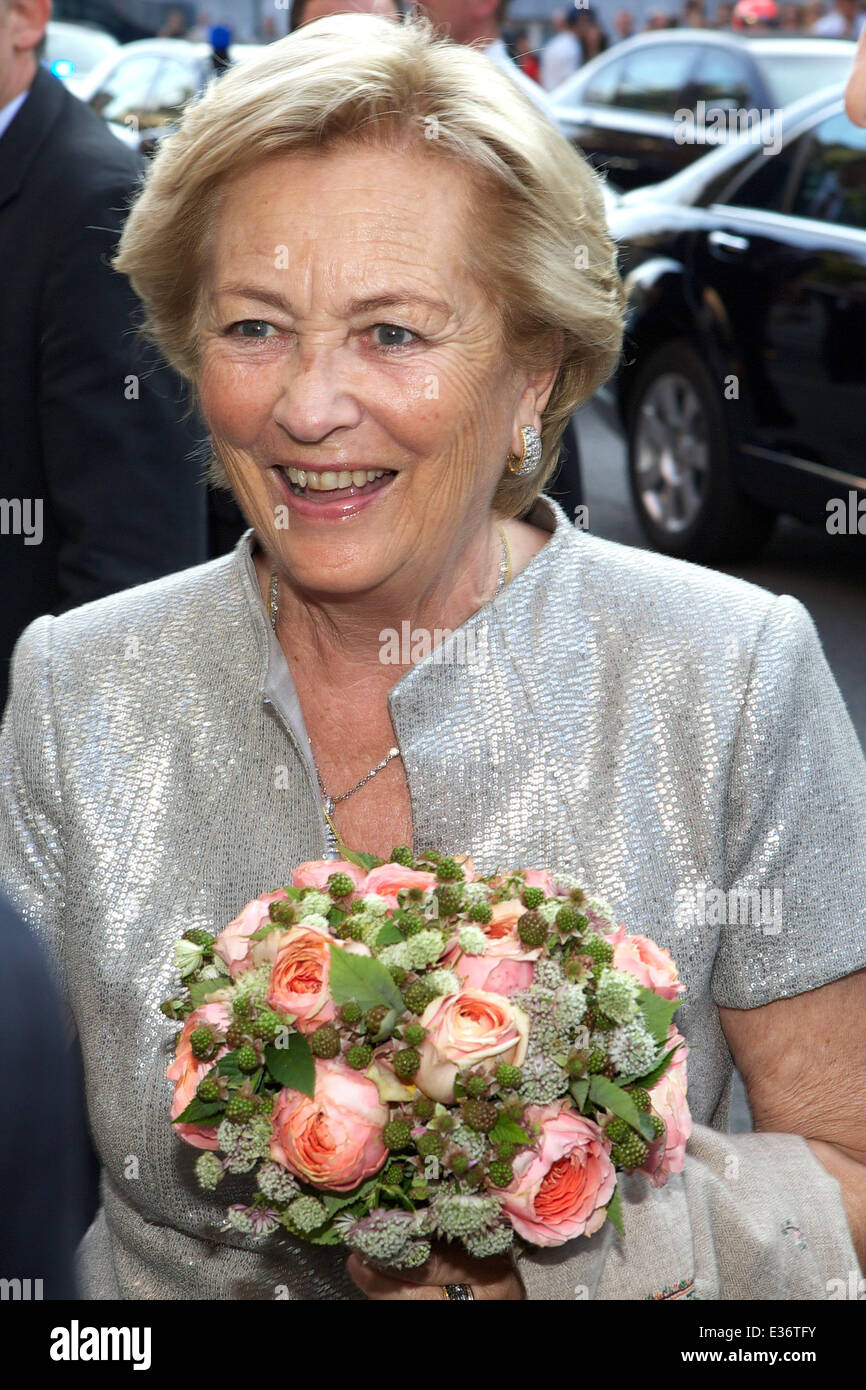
[(31, 128)]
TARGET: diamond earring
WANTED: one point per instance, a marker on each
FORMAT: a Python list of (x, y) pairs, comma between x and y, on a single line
[(531, 456)]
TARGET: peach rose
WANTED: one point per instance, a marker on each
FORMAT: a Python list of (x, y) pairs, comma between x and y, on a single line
[(299, 979), (233, 943), (314, 873), (474, 1026), (562, 1185), (650, 964), (335, 1139), (389, 879), (668, 1154), (505, 968), (504, 919), (187, 1071), (540, 878)]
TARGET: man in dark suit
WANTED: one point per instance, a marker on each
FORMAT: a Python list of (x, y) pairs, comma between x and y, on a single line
[(99, 488)]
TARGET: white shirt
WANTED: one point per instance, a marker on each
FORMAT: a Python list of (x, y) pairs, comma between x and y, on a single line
[(498, 54), (835, 26), (10, 111), (560, 58)]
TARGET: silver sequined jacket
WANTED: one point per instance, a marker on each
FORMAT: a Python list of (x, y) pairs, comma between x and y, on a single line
[(666, 731)]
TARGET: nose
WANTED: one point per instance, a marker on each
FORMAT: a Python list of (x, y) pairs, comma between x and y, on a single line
[(317, 396)]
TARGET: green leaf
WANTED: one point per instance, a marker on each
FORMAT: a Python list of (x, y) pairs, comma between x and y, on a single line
[(335, 1201), (658, 1013), (361, 861), (267, 929), (293, 1066), (325, 1235), (201, 991), (228, 1066), (649, 1078), (507, 1131), (293, 893), (362, 979), (614, 1211), (580, 1090), (198, 1112), (611, 1097), (336, 916), (390, 935)]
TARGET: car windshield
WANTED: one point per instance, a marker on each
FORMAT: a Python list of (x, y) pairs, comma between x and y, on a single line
[(795, 75)]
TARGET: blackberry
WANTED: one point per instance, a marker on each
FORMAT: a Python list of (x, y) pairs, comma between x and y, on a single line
[(406, 1063), (449, 870), (340, 885), (412, 923), (509, 1077), (450, 899), (425, 1108), (268, 1026), (397, 1135), (199, 937), (500, 1171), (242, 1006), (566, 920), (480, 912), (505, 1151), (459, 1164), (429, 1145), (240, 1109), (430, 856), (641, 1098), (208, 1089), (347, 930), (393, 1173), (401, 854), (236, 1034), (533, 897), (532, 929), (658, 1124), (360, 1056), (247, 1058), (629, 1153), (600, 951), (282, 911), (325, 1042), (480, 1115), (475, 1086), (398, 975), (202, 1042), (351, 1013), (595, 1062), (414, 1035), (418, 996), (618, 1130), (374, 1018)]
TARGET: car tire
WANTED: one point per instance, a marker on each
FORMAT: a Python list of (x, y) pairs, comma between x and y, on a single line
[(679, 463)]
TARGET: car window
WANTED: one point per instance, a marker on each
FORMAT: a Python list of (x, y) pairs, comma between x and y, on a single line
[(124, 90), (763, 183), (722, 80), (653, 78), (795, 75), (832, 187), (602, 89), (176, 83)]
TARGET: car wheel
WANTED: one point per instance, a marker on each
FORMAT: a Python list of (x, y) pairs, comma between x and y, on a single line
[(679, 462)]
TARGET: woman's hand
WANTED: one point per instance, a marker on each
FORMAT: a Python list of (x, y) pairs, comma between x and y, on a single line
[(494, 1278)]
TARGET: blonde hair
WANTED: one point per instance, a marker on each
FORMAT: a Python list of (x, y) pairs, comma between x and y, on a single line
[(545, 260)]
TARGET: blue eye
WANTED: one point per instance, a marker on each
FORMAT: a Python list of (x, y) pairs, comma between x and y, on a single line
[(392, 329), (259, 329)]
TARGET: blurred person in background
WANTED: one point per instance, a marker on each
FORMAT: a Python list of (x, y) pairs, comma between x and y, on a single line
[(306, 11), (813, 10), (623, 25), (659, 19), (562, 55), (723, 16), (526, 57), (693, 16), (479, 22), (845, 21), (755, 17), (174, 26), (792, 19), (100, 489), (593, 39)]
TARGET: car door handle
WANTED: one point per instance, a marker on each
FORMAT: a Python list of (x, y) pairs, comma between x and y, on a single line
[(726, 241)]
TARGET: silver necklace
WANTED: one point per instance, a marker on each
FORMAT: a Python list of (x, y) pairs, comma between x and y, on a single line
[(332, 841)]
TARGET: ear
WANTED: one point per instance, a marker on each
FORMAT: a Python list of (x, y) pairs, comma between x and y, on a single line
[(538, 385)]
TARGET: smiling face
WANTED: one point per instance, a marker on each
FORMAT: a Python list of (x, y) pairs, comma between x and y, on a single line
[(343, 334)]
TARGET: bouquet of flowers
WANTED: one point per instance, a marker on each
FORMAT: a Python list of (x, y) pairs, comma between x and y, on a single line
[(409, 1051)]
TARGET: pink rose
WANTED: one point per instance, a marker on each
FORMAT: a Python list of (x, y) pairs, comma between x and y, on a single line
[(314, 873), (389, 879), (299, 979), (650, 964), (505, 968), (540, 878), (233, 943), (187, 1071), (668, 1154), (466, 1029), (504, 919), (562, 1185), (335, 1139)]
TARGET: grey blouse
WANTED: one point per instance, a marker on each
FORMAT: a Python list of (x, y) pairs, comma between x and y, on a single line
[(671, 734)]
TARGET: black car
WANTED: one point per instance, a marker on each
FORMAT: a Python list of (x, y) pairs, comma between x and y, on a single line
[(653, 104), (742, 386)]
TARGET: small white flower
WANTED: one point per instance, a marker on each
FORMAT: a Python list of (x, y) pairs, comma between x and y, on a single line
[(472, 940), (315, 919), (187, 956), (375, 904), (312, 904), (444, 982), (476, 893)]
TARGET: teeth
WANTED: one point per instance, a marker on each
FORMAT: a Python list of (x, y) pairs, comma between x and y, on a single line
[(329, 482)]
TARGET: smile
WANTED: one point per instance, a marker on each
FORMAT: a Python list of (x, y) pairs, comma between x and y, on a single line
[(315, 481)]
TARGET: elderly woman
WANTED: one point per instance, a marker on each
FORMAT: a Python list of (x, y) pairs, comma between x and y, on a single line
[(390, 282)]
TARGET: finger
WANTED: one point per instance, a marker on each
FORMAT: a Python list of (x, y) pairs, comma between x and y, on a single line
[(381, 1287)]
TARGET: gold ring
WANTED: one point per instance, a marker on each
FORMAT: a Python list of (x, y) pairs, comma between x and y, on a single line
[(458, 1293)]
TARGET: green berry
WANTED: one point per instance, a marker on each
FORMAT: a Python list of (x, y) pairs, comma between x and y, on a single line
[(595, 1062), (351, 1013), (480, 1115), (247, 1058), (199, 937), (450, 899), (475, 1086), (500, 1172), (268, 1026), (401, 854), (618, 1130), (347, 930), (475, 1176), (629, 1153), (374, 1018), (202, 1043), (448, 870), (601, 951), (340, 885), (430, 856), (282, 911), (360, 1056), (394, 1173), (418, 996), (208, 1089), (533, 897), (641, 1098), (480, 912), (566, 920), (412, 923), (658, 1125), (429, 1145), (532, 929), (459, 1165), (397, 1135), (509, 1077), (242, 1006), (414, 1035), (406, 1063), (505, 1151), (240, 1109), (236, 1034), (425, 1109), (325, 1042)]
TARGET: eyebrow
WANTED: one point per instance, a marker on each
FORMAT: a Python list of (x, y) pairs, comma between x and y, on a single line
[(370, 304)]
